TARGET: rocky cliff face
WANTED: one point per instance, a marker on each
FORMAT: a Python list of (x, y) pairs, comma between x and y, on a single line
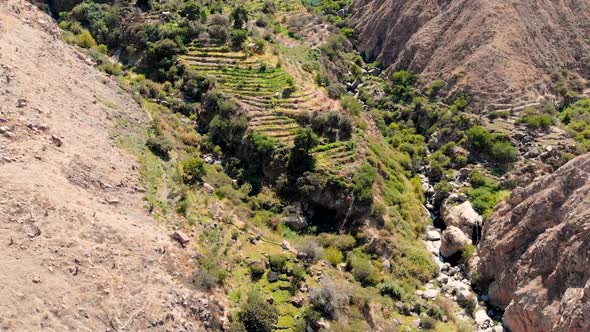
[(499, 50), (535, 253)]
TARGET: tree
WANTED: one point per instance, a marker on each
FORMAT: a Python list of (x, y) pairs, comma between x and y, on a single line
[(192, 11), (238, 37), (239, 16), (301, 160), (195, 85)]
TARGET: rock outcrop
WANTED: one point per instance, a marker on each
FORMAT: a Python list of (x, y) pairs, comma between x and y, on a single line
[(497, 50), (462, 216), (453, 240), (534, 253)]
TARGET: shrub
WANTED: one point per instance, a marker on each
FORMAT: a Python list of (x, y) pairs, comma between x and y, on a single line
[(259, 46), (392, 290), (85, 40), (195, 85), (427, 322), (193, 170), (333, 256), (342, 242), (310, 248), (257, 315), (335, 90), (467, 252), (504, 152), (210, 274), (327, 299), (350, 104), (363, 184), (479, 138), (218, 33), (477, 178), (435, 88), (257, 269), (269, 7), (277, 262), (111, 68), (239, 16), (160, 146), (543, 121), (362, 269)]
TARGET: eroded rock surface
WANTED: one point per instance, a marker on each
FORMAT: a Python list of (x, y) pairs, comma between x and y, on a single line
[(535, 252)]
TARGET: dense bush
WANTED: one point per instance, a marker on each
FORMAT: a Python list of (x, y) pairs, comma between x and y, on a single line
[(482, 141), (576, 118), (543, 121), (363, 184), (256, 315), (85, 40), (160, 146), (342, 242), (333, 256), (504, 152), (193, 170), (238, 37), (392, 290), (350, 104), (195, 85), (362, 269), (277, 262)]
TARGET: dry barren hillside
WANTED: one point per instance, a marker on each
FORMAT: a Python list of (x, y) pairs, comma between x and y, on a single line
[(79, 251), (503, 52)]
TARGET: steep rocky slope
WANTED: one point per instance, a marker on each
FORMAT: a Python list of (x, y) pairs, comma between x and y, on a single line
[(534, 252), (499, 50), (79, 251)]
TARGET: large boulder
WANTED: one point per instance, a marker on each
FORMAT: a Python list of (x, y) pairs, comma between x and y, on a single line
[(534, 253), (462, 216), (453, 240)]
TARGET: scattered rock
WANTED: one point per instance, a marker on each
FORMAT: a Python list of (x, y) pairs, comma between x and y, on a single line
[(181, 237), (296, 222), (272, 277), (433, 235), (482, 320), (113, 201), (297, 301), (208, 188), (430, 294), (57, 140), (22, 102)]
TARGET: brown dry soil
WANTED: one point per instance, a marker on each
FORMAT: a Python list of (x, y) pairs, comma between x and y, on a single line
[(79, 250)]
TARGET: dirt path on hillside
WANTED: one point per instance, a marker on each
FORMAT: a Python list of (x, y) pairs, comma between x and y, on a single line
[(79, 251)]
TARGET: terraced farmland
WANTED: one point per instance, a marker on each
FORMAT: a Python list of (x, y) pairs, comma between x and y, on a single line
[(266, 91), (338, 158)]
